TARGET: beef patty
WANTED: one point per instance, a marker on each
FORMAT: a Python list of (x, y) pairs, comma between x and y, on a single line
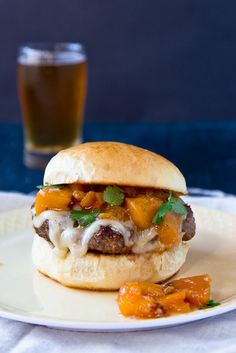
[(108, 241), (189, 226)]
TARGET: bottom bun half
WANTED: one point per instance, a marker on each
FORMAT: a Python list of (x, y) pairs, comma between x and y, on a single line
[(106, 272)]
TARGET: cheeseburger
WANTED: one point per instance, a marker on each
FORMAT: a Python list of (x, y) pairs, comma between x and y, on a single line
[(108, 213)]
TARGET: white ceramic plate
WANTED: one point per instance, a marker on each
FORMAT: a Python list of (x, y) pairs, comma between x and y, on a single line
[(28, 296)]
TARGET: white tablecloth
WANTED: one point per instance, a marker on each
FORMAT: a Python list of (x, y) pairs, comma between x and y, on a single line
[(216, 335)]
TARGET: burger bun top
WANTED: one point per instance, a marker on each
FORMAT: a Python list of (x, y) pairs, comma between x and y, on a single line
[(114, 163)]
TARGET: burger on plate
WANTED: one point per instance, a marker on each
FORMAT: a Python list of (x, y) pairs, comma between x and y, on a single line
[(108, 213)]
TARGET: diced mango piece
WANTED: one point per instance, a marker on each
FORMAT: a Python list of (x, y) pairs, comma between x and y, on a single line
[(142, 210), (99, 200), (169, 232), (175, 303), (92, 200), (53, 199), (139, 299), (88, 200), (197, 289), (78, 195)]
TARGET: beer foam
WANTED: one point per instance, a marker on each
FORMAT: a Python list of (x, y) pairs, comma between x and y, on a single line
[(45, 57)]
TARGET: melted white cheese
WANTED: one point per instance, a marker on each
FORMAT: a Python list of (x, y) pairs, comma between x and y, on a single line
[(144, 241), (64, 235)]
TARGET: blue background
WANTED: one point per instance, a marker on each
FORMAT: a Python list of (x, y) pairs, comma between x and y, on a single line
[(204, 152), (148, 60), (162, 75)]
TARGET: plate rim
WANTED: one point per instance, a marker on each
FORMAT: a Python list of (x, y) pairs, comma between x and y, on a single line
[(121, 326), (129, 326)]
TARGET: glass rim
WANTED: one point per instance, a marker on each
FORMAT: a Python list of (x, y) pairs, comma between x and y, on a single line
[(51, 52), (51, 46)]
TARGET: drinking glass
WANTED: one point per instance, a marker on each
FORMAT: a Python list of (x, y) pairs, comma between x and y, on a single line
[(52, 85)]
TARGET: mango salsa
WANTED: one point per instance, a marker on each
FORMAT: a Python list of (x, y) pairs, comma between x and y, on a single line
[(142, 210), (53, 199), (148, 300)]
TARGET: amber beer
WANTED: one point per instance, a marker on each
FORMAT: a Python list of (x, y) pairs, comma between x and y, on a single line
[(52, 87)]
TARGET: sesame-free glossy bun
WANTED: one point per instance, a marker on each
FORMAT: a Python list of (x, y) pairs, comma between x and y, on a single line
[(106, 272), (113, 163)]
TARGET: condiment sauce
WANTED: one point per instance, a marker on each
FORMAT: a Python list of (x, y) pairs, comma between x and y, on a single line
[(147, 300)]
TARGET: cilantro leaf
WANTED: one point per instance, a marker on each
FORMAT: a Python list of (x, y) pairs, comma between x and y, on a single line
[(56, 186), (113, 195), (162, 211), (172, 204), (210, 304), (178, 207), (84, 218)]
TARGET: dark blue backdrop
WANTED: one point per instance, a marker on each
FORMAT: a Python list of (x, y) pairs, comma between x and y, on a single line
[(148, 60), (204, 152)]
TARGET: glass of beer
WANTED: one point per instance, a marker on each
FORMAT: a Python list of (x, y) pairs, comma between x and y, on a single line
[(52, 84)]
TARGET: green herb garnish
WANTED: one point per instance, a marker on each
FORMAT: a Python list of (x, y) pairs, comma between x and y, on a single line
[(84, 218), (210, 304), (172, 204), (113, 195), (56, 186)]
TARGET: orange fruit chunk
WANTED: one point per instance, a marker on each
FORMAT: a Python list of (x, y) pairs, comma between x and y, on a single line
[(197, 289), (142, 210), (169, 232), (175, 303), (139, 299), (53, 199), (148, 300), (92, 200)]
